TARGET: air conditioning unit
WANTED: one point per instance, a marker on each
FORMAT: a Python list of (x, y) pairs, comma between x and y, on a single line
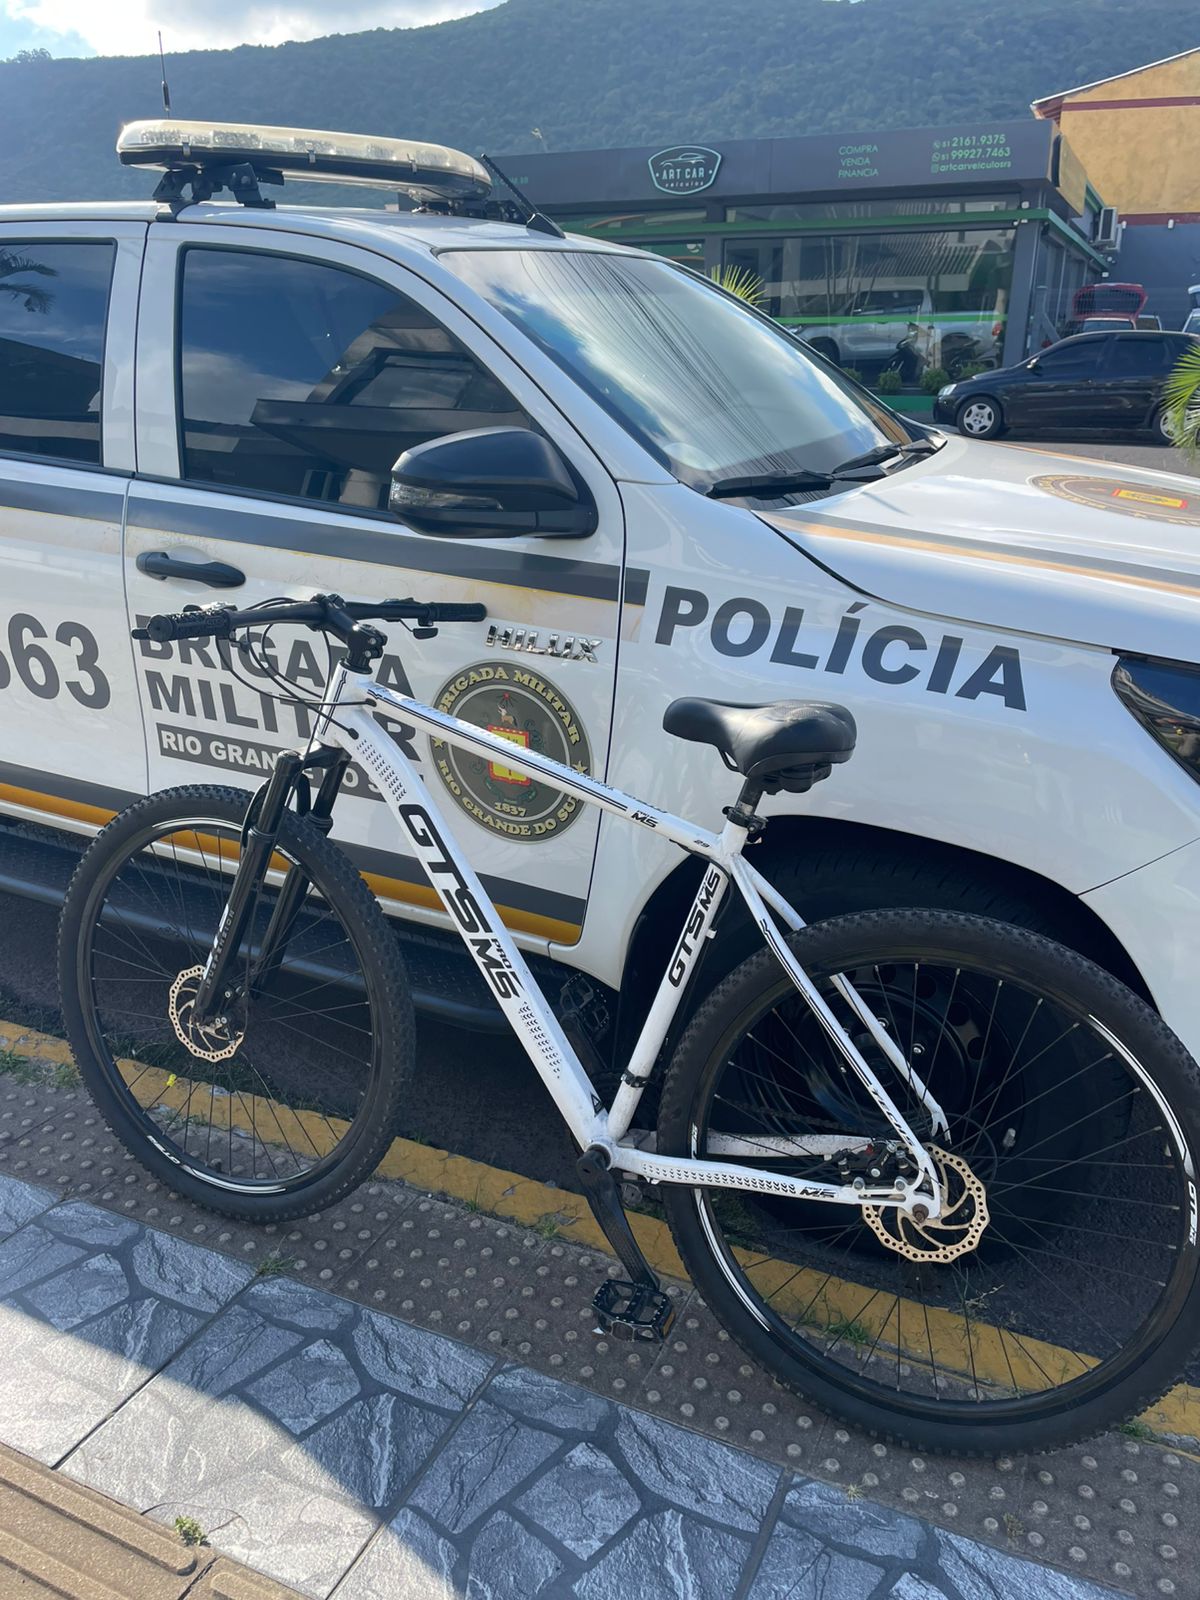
[(1108, 227)]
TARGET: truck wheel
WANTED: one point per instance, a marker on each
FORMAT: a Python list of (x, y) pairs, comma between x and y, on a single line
[(980, 417)]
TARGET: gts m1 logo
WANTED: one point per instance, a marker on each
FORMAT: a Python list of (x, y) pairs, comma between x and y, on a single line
[(685, 950), (489, 953)]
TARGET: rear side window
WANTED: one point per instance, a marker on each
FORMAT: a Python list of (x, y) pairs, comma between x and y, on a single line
[(53, 306), (307, 381), (1141, 355)]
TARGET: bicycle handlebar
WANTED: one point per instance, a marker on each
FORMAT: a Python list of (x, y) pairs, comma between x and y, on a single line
[(327, 611)]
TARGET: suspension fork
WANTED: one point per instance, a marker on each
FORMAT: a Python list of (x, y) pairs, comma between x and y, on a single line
[(295, 885), (258, 844)]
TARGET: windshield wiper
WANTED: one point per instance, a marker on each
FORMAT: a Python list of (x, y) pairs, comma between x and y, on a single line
[(885, 452), (768, 483)]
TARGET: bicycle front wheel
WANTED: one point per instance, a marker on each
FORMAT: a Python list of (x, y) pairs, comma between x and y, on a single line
[(1061, 1293), (290, 1097)]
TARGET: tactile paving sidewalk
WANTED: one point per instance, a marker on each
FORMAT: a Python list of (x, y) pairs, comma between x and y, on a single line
[(186, 1365)]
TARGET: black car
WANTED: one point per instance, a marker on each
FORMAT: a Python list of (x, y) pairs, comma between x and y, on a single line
[(1095, 380)]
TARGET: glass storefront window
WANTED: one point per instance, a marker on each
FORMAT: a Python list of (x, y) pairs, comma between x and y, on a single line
[(848, 210), (1059, 276), (688, 252), (901, 301), (636, 221)]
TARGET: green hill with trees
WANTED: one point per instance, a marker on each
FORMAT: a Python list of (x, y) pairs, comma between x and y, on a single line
[(590, 73)]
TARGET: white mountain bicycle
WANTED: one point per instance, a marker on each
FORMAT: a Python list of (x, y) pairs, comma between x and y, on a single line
[(932, 1171)]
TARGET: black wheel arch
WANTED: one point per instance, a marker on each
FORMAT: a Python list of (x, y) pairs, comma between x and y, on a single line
[(888, 862)]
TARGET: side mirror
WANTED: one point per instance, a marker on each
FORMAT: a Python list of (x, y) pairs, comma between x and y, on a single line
[(490, 483)]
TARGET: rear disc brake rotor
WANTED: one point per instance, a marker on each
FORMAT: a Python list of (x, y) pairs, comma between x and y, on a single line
[(938, 1239)]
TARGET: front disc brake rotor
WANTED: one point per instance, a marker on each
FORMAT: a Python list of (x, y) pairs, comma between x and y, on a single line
[(955, 1233), (215, 1041)]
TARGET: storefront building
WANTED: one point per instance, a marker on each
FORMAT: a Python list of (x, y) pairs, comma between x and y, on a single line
[(900, 254), (1138, 134)]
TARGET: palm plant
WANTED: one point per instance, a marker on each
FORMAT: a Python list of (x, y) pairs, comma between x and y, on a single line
[(742, 282), (12, 266), (1181, 401)]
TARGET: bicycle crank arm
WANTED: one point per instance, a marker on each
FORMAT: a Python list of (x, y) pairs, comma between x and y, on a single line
[(637, 1309)]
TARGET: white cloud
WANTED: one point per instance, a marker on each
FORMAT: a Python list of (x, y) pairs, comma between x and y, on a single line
[(130, 27)]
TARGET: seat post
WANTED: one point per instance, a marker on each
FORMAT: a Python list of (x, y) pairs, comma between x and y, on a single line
[(742, 812)]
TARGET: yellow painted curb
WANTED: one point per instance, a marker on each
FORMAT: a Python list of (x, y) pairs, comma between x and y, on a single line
[(828, 1301)]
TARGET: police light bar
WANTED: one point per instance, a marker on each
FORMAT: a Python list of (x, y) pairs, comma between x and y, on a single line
[(316, 156)]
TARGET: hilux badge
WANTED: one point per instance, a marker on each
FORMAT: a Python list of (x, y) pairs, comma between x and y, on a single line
[(684, 168)]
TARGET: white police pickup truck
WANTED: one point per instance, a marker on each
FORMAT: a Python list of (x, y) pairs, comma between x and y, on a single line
[(202, 400)]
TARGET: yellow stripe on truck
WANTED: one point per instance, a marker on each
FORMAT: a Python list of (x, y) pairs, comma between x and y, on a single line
[(413, 894)]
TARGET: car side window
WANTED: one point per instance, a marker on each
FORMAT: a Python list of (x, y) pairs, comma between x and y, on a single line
[(53, 308), (306, 380), (1140, 355), (1072, 360)]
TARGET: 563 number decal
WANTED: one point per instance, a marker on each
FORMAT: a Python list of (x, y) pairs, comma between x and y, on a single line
[(47, 666)]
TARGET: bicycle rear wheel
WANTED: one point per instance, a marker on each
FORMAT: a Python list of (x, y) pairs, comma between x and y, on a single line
[(1075, 1110), (290, 1099)]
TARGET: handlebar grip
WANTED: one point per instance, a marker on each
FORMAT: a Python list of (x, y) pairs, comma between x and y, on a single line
[(214, 623), (468, 612)]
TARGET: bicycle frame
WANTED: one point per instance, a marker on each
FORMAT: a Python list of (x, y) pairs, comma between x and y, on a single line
[(347, 722)]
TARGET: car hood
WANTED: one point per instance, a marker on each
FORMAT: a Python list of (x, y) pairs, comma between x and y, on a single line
[(1026, 540)]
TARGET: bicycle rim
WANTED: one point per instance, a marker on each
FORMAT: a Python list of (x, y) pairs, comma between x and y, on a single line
[(271, 1100), (1088, 1258)]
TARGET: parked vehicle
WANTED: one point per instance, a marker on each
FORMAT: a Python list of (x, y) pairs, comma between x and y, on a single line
[(223, 389), (1102, 381), (898, 328), (1105, 308)]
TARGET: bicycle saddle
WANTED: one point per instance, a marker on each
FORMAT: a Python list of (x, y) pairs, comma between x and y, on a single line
[(790, 745)]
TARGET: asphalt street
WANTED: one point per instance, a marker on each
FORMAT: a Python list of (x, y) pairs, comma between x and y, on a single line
[(1145, 454)]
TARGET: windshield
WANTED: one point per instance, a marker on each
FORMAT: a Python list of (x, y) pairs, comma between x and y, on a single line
[(712, 390)]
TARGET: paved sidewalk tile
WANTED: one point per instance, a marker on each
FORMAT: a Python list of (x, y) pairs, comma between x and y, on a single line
[(546, 1490), (20, 1203), (91, 1306), (827, 1547), (286, 1429)]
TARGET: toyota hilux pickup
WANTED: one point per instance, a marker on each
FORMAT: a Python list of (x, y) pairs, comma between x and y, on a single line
[(201, 399)]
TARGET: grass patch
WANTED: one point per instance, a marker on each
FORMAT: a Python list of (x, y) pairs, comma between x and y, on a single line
[(28, 1069), (274, 1265), (846, 1330), (190, 1531), (1138, 1430), (546, 1226)]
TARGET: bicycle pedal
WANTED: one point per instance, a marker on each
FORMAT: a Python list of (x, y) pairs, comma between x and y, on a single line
[(633, 1310)]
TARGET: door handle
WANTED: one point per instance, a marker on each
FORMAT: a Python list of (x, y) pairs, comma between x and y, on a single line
[(216, 574)]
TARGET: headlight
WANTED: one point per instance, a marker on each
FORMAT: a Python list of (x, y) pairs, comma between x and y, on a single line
[(1165, 698), (947, 388)]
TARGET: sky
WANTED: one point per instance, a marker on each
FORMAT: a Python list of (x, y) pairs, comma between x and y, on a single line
[(129, 27)]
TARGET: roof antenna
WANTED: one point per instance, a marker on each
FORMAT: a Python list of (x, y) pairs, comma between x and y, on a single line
[(166, 92), (528, 212)]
